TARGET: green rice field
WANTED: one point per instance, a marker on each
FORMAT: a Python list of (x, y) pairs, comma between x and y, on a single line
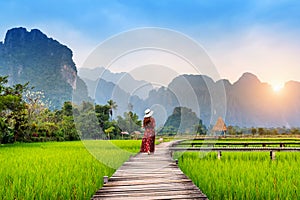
[(60, 170), (244, 175), (75, 170)]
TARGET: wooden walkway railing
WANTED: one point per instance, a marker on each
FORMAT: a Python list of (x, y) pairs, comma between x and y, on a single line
[(154, 176), (272, 150), (245, 144), (234, 148)]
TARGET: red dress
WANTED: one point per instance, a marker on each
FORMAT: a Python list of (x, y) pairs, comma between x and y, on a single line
[(149, 135)]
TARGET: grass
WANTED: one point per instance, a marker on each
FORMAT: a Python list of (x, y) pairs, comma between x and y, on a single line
[(64, 170), (240, 175)]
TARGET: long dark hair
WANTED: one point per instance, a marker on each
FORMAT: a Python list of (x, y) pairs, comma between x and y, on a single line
[(146, 122)]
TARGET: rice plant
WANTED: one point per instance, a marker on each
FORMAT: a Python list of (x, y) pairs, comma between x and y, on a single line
[(240, 175), (64, 170)]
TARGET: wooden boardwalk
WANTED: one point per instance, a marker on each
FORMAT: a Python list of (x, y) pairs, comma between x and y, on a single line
[(154, 176), (288, 149)]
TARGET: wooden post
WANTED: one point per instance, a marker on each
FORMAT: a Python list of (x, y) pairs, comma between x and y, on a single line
[(219, 155), (105, 179), (281, 145), (272, 155), (171, 154)]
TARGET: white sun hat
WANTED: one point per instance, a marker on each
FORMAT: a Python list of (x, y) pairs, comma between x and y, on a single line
[(148, 113)]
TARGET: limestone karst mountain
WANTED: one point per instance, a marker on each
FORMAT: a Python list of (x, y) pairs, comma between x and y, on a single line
[(30, 56)]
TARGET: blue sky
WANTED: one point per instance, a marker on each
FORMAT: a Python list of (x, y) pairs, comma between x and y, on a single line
[(258, 36)]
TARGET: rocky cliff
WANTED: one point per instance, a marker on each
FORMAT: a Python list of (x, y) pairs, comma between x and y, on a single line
[(31, 56)]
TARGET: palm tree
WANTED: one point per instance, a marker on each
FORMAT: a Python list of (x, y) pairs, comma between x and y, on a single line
[(112, 106), (130, 106)]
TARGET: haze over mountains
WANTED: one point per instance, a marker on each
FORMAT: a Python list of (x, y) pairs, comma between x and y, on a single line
[(48, 65), (124, 80), (249, 102)]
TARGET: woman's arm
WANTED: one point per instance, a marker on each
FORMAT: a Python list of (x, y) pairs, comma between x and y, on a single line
[(153, 122)]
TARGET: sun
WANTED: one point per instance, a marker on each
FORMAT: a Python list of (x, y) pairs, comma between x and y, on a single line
[(277, 87)]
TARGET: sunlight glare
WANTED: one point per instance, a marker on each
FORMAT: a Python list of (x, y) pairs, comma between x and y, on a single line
[(278, 87)]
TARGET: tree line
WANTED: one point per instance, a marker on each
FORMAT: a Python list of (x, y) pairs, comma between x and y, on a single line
[(25, 117), (262, 131)]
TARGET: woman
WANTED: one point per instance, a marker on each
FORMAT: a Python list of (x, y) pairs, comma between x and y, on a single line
[(149, 134)]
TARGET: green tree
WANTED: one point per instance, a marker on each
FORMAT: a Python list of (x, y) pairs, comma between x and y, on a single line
[(183, 120), (89, 127), (201, 128), (253, 131), (86, 106), (231, 130), (129, 122), (109, 130), (13, 121), (67, 109), (112, 106), (68, 129), (261, 131), (274, 131), (295, 131), (102, 113)]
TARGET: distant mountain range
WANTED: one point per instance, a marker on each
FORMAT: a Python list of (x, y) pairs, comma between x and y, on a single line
[(124, 80), (48, 65), (246, 103)]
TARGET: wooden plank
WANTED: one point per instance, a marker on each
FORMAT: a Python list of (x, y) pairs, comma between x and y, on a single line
[(164, 186), (121, 178), (145, 182), (144, 193), (129, 197), (150, 188), (147, 178), (160, 187), (142, 173), (154, 176)]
